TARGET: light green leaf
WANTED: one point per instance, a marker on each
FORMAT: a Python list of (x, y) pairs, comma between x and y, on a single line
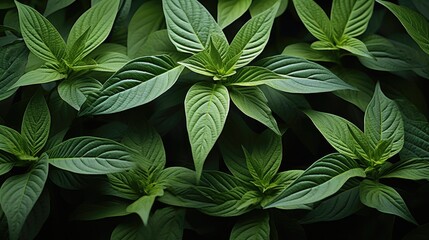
[(189, 25), (416, 24), (19, 193), (251, 39), (322, 179), (90, 155), (138, 82), (259, 6), (7, 161), (143, 205), (97, 22), (75, 91), (230, 10), (126, 184), (336, 207), (201, 63), (253, 76), (355, 46), (255, 227), (147, 19), (13, 142), (55, 5), (36, 123), (302, 76), (206, 109), (340, 133), (385, 199), (351, 17), (12, 66), (40, 35), (39, 76), (304, 50), (252, 102), (412, 169), (100, 210), (314, 19), (383, 121), (323, 46)]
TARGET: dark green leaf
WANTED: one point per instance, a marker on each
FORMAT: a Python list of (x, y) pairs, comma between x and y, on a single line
[(75, 91), (55, 5), (256, 227), (230, 10), (12, 65), (413, 169)]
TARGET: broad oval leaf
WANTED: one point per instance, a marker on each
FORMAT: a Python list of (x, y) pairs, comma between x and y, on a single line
[(351, 17), (252, 102), (416, 24), (383, 121), (39, 76), (90, 155), (36, 123), (322, 179), (230, 10), (302, 76), (255, 227), (251, 39), (19, 193), (12, 66), (75, 91), (385, 199), (40, 35), (412, 169), (189, 25), (314, 19), (206, 109), (138, 82), (96, 23)]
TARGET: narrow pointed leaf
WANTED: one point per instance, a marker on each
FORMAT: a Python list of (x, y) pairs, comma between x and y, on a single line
[(230, 10), (13, 142), (416, 24), (383, 121), (37, 217), (100, 210), (412, 169), (252, 102), (302, 76), (253, 76), (12, 66), (304, 50), (40, 35), (251, 39), (385, 199), (39, 76), (19, 193), (142, 207), (90, 155), (7, 161), (322, 179), (355, 46), (314, 19), (55, 5), (75, 91), (255, 227), (97, 22), (138, 82), (189, 25), (351, 17), (259, 6), (206, 108), (36, 123)]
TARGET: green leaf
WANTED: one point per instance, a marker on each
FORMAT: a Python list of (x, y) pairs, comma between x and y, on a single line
[(259, 6), (252, 102), (351, 17), (75, 91), (97, 23), (36, 123), (19, 193), (255, 227), (189, 25), (322, 179), (304, 50), (40, 35), (355, 46), (90, 155), (13, 142), (314, 19), (251, 39), (7, 4), (167, 224), (302, 76), (12, 66), (412, 169), (130, 230), (383, 121), (7, 161), (323, 46), (230, 10), (143, 205), (138, 82), (147, 19), (416, 24), (39, 76), (385, 199), (336, 207), (158, 43), (55, 5), (100, 210), (206, 109), (126, 184), (253, 76), (340, 133), (37, 217)]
